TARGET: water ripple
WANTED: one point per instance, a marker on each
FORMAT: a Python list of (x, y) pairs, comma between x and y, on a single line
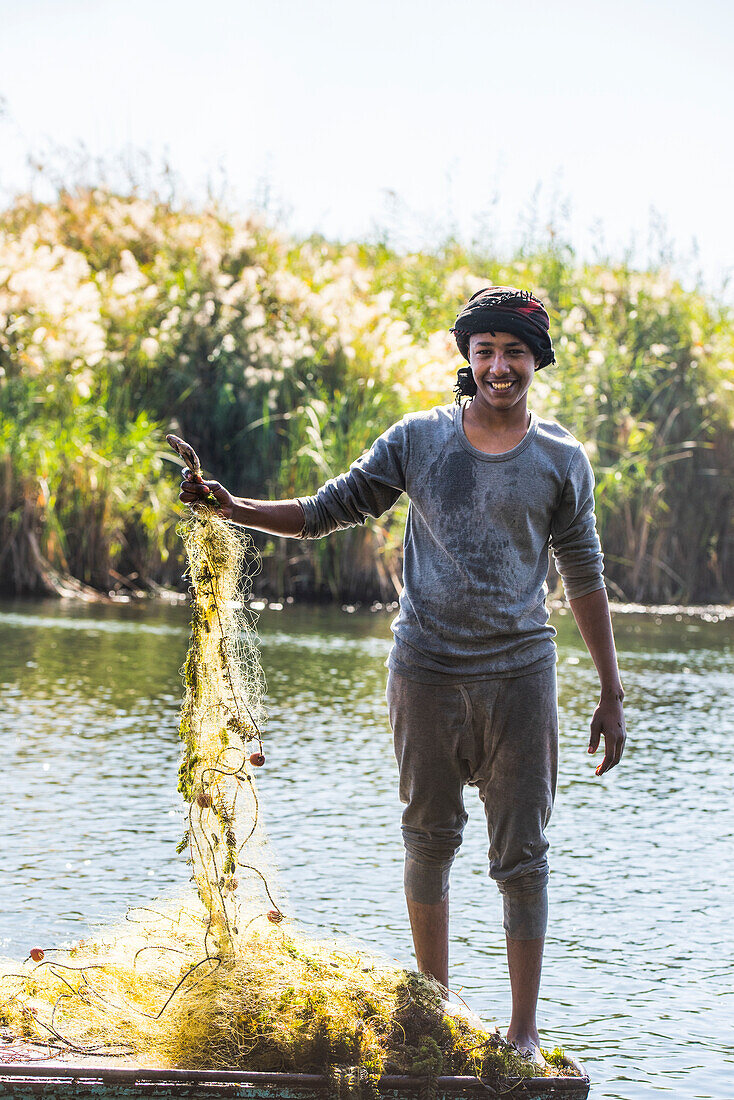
[(638, 973)]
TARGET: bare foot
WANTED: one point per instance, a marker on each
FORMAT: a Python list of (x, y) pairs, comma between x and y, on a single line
[(528, 1046)]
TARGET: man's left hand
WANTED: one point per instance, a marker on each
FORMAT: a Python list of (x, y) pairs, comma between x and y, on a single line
[(609, 720)]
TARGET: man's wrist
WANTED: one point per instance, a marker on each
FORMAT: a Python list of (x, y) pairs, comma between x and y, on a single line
[(241, 513), (611, 690), (275, 517)]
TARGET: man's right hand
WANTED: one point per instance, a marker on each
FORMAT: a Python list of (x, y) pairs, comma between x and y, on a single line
[(194, 488), (276, 517)]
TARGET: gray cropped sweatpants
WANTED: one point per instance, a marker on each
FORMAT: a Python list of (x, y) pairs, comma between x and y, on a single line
[(501, 736)]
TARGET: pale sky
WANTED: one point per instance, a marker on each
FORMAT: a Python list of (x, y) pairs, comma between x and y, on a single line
[(463, 110)]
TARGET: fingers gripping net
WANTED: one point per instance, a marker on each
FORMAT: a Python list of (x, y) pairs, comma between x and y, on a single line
[(220, 722)]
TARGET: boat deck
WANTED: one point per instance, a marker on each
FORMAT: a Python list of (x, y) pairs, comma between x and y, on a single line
[(63, 1077)]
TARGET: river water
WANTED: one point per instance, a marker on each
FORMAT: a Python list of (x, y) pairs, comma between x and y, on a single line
[(639, 963)]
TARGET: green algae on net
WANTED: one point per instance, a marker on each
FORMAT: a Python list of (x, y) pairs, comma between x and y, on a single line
[(282, 1003), (215, 981)]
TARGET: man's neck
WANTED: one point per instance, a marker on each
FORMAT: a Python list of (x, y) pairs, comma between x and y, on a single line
[(495, 431)]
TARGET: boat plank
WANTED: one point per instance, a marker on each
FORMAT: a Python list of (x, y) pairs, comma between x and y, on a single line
[(24, 1081)]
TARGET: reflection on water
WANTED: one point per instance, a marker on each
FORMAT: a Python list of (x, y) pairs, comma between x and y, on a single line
[(638, 977)]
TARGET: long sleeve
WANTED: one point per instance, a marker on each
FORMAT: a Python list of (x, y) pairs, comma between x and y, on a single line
[(574, 539), (370, 487)]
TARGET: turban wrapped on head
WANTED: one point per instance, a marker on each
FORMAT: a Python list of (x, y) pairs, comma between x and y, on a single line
[(506, 309)]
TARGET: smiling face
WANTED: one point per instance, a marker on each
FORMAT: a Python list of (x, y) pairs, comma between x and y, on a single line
[(503, 367)]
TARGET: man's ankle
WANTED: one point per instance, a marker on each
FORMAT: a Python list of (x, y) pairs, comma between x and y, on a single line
[(523, 1036)]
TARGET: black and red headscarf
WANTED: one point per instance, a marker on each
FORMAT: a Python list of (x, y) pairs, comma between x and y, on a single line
[(506, 309)]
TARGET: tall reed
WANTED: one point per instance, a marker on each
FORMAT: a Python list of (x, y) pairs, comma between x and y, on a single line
[(282, 359)]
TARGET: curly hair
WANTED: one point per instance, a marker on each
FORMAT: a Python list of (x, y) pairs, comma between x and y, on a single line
[(465, 384)]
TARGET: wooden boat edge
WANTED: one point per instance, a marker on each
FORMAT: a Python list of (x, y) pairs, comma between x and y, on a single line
[(127, 1083)]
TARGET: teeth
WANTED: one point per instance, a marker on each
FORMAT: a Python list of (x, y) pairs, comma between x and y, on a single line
[(500, 385)]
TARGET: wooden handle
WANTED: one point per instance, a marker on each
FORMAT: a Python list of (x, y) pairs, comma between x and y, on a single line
[(186, 451)]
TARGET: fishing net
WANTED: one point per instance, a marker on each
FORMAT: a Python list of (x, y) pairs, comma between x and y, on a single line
[(114, 994), (216, 980), (220, 727), (284, 1003)]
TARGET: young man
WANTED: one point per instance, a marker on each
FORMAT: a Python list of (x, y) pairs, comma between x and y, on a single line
[(471, 688)]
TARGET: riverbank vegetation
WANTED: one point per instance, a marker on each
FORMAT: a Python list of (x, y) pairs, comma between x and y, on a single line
[(281, 359)]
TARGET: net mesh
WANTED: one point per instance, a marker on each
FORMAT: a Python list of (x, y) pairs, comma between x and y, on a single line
[(221, 716)]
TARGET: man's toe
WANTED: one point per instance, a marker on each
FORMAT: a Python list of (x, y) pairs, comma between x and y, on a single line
[(531, 1052)]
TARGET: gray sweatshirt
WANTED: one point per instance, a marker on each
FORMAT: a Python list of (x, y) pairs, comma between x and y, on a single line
[(476, 541)]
